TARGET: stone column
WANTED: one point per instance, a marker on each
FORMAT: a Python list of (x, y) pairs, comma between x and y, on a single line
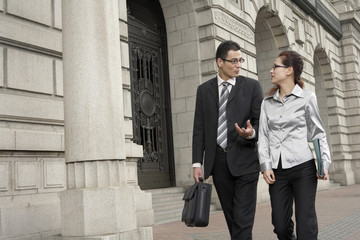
[(102, 196), (347, 170)]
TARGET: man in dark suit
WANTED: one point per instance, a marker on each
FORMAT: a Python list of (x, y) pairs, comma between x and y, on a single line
[(231, 150)]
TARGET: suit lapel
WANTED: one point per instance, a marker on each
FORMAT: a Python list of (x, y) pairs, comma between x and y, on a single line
[(235, 89), (214, 90)]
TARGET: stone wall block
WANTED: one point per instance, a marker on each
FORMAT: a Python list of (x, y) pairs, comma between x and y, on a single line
[(204, 17), (124, 31), (131, 171), (30, 107), (185, 155), (185, 122), (181, 56), (96, 211), (184, 174), (208, 50), (125, 57), (192, 68), (40, 10), (5, 173), (177, 71), (126, 208), (1, 67), (28, 33), (190, 103), (189, 34), (178, 105), (127, 103), (222, 33), (205, 31), (54, 173), (186, 87), (57, 14), (122, 10), (208, 67), (174, 38), (170, 25), (182, 22), (185, 7), (145, 233), (134, 150), (7, 139), (126, 77), (30, 72), (144, 210), (181, 140), (170, 11), (26, 174), (59, 79), (38, 141), (27, 219)]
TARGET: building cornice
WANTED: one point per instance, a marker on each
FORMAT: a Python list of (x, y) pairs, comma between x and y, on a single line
[(319, 12)]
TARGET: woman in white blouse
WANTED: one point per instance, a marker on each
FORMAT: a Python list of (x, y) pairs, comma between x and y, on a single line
[(290, 119)]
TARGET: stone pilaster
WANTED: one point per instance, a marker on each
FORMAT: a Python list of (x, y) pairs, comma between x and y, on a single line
[(351, 85), (103, 197)]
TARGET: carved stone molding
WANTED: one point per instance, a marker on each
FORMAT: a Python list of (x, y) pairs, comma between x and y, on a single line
[(228, 22)]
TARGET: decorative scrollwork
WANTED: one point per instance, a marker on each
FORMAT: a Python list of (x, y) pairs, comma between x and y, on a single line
[(146, 103)]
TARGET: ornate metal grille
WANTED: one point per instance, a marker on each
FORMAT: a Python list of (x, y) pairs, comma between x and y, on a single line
[(146, 105)]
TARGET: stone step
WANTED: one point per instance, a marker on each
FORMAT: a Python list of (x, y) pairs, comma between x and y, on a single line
[(161, 191), (168, 204), (334, 185), (173, 215), (167, 197)]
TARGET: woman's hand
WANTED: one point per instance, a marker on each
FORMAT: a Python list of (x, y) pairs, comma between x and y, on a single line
[(325, 177), (269, 176)]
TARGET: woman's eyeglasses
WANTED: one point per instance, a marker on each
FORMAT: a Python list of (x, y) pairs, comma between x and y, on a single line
[(276, 66), (234, 60)]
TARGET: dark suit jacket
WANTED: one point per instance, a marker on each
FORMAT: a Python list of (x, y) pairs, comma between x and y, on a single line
[(244, 103)]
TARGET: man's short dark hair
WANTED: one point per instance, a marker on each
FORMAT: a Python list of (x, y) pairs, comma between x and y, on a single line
[(225, 47)]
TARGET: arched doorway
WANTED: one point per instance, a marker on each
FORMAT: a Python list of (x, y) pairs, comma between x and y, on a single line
[(270, 40), (322, 74), (150, 94)]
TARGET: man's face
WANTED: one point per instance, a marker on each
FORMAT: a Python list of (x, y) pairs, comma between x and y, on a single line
[(227, 69)]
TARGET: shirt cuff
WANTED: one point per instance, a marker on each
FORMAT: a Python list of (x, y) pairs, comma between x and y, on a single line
[(196, 164), (265, 166), (252, 136)]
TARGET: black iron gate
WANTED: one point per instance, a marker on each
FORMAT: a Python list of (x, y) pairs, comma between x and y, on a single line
[(151, 103)]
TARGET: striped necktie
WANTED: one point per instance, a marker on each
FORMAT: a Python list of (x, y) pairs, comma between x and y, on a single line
[(222, 122)]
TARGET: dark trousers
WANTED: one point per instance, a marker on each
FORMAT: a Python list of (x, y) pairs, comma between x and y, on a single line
[(237, 197), (298, 183)]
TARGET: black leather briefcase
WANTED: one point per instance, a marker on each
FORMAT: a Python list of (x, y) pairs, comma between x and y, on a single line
[(196, 210)]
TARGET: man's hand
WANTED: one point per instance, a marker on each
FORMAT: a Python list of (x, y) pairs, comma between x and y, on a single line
[(248, 132), (269, 176), (325, 177), (198, 172)]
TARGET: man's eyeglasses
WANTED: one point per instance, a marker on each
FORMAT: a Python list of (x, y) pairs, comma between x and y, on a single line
[(234, 60), (276, 66)]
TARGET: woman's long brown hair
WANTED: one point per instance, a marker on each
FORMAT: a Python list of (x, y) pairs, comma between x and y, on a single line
[(294, 60)]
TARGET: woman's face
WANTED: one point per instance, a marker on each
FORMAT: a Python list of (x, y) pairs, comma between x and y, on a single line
[(279, 72)]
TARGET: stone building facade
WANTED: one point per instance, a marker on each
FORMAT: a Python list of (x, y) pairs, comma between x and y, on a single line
[(118, 78)]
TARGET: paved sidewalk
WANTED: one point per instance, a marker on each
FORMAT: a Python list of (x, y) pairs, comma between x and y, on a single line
[(338, 212)]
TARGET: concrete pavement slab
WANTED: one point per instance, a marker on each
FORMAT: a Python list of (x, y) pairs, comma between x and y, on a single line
[(338, 212)]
